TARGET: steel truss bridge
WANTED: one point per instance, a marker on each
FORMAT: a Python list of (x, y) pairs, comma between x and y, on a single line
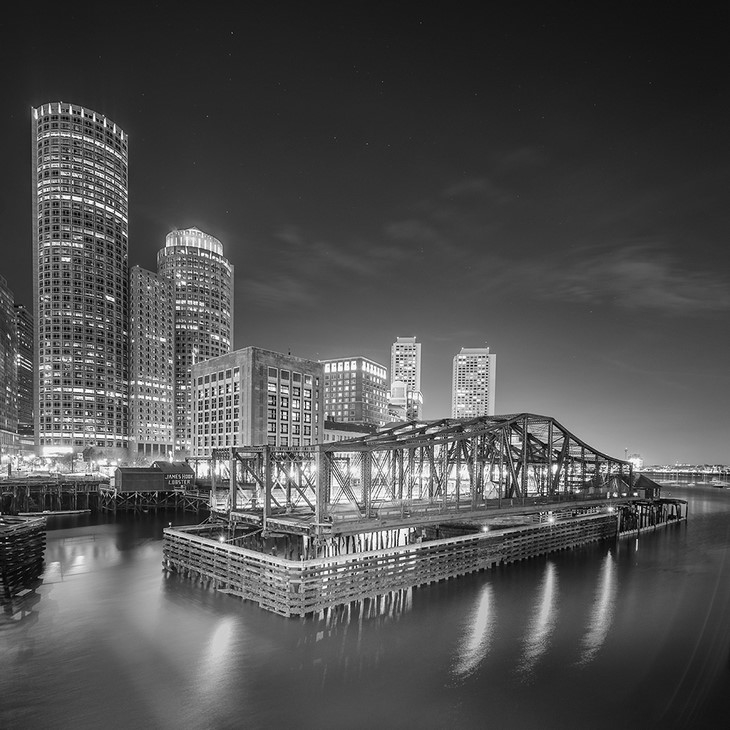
[(414, 473)]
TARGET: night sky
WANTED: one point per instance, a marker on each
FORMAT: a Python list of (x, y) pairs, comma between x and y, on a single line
[(552, 182)]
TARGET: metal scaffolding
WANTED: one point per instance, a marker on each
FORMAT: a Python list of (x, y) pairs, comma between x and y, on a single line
[(410, 473)]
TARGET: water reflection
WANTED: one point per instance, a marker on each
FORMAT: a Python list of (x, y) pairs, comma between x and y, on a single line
[(542, 622), (219, 646), (477, 634), (121, 644), (602, 613)]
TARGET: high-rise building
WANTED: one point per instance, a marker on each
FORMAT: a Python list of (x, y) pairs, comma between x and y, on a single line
[(474, 374), (255, 397), (405, 378), (8, 373), (151, 366), (80, 279), (24, 323), (203, 282), (355, 391)]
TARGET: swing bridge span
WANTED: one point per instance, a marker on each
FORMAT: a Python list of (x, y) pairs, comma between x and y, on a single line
[(416, 473)]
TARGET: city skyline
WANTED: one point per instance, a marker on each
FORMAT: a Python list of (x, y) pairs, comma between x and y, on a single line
[(552, 185)]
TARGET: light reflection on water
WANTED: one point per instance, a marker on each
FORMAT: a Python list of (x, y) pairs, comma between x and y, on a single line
[(542, 623), (477, 634), (631, 638), (602, 612)]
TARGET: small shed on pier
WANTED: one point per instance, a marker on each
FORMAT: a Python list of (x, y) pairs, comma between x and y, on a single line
[(162, 476)]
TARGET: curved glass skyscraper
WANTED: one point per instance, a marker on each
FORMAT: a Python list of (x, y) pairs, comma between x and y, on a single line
[(80, 284), (203, 280)]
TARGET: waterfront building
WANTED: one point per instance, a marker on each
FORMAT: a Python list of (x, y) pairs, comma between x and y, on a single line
[(24, 325), (80, 281), (203, 285), (473, 383), (254, 397), (405, 370), (8, 373), (151, 366), (355, 390)]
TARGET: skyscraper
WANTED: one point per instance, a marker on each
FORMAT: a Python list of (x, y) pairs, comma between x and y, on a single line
[(203, 285), (151, 365), (474, 374), (80, 283), (405, 377), (8, 373), (24, 322)]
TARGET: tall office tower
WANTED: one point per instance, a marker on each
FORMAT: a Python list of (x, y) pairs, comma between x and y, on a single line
[(474, 375), (8, 373), (203, 280), (405, 377), (255, 397), (151, 366), (80, 279), (24, 321), (355, 391)]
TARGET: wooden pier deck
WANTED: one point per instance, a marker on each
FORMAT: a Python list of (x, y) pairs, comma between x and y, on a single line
[(297, 587)]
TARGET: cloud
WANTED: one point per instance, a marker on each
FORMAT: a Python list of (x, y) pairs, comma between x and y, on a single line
[(480, 188), (299, 271), (639, 276), (413, 230), (521, 158), (278, 290)]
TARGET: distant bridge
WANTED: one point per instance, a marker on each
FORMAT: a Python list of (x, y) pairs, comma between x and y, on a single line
[(414, 473)]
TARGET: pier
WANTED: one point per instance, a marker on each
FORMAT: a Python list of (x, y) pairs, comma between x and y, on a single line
[(58, 493), (305, 529)]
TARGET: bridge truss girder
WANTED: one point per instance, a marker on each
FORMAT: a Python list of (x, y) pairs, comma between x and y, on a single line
[(452, 464)]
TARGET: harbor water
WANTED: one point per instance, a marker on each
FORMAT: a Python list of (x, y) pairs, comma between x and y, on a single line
[(624, 634)]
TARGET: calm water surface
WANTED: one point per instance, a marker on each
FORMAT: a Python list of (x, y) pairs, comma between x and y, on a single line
[(633, 634)]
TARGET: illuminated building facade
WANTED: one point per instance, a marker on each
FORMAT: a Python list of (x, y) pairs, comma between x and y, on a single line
[(203, 285), (474, 374), (405, 378), (80, 281), (24, 323), (8, 372), (151, 366), (355, 391), (254, 397)]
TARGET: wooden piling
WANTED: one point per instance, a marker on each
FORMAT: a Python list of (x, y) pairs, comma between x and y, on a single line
[(22, 546)]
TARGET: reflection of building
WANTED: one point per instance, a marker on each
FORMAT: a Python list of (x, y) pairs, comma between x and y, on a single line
[(203, 280), (253, 397), (474, 374), (80, 284), (355, 390), (8, 372), (405, 378), (24, 321), (151, 365)]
